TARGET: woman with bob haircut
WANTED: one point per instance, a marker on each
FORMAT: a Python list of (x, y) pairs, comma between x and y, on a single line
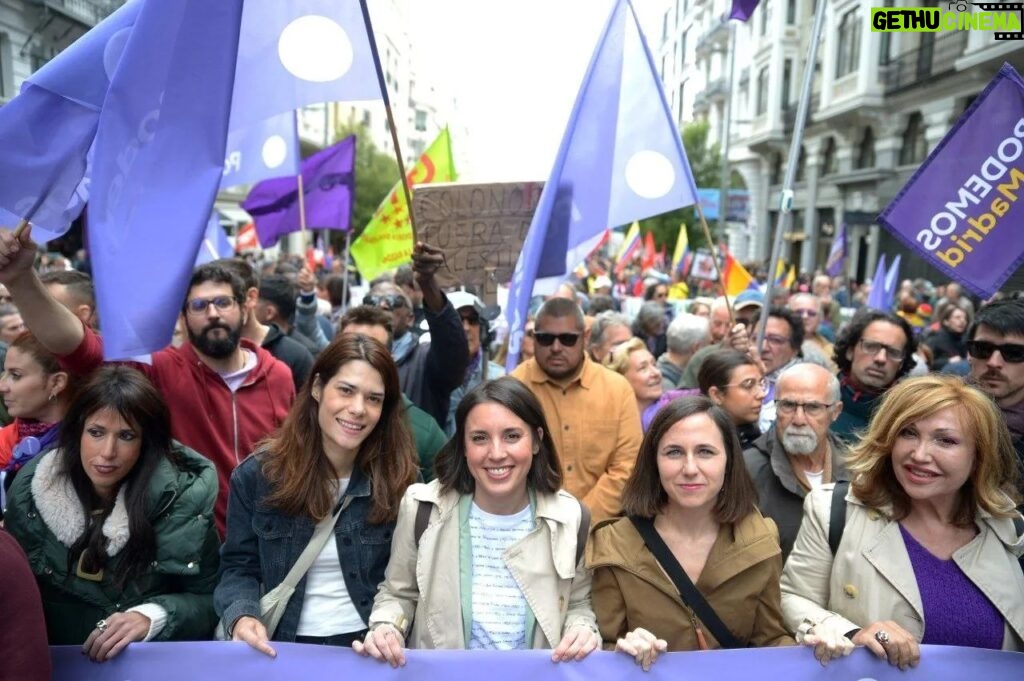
[(734, 382), (487, 555), (117, 522), (690, 488), (344, 448), (929, 523)]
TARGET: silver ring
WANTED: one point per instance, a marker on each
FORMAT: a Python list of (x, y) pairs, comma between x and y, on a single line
[(102, 625), (882, 636)]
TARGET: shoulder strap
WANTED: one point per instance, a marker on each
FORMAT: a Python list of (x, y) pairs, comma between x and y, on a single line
[(583, 531), (422, 519), (324, 530), (687, 591), (837, 516), (1018, 525)]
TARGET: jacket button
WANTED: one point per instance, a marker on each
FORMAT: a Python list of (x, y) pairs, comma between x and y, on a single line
[(48, 571), (191, 564), (31, 514), (154, 564), (850, 590)]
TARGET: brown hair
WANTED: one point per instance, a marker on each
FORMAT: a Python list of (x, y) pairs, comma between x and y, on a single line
[(644, 495), (452, 468), (300, 475), (992, 483)]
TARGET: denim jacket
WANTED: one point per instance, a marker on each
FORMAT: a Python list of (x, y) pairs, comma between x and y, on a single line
[(263, 543)]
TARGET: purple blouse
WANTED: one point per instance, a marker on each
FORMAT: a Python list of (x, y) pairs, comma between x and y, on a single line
[(956, 612)]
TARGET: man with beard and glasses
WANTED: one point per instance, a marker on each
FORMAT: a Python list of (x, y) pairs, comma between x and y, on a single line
[(995, 351), (798, 453), (591, 410), (224, 392)]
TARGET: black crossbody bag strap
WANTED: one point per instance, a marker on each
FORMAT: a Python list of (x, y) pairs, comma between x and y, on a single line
[(687, 591)]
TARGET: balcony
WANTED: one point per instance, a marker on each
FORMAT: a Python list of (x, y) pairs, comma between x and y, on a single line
[(717, 90), (85, 12), (919, 66), (789, 113), (716, 37), (701, 105)]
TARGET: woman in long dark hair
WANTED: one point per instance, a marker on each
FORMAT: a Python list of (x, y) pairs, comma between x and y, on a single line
[(345, 445), (117, 522)]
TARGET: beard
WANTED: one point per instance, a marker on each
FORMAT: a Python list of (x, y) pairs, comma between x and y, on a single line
[(799, 440), (218, 348)]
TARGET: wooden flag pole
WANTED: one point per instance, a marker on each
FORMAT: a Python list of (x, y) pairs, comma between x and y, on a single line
[(391, 117), (714, 259), (20, 229)]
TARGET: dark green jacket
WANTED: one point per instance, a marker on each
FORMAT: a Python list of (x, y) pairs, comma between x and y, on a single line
[(858, 407), (46, 518), (427, 435)]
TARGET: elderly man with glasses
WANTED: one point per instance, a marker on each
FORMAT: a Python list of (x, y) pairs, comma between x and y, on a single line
[(798, 453), (591, 411), (874, 351), (995, 351)]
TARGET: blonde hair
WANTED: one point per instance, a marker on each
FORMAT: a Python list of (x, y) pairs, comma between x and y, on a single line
[(618, 359), (992, 482)]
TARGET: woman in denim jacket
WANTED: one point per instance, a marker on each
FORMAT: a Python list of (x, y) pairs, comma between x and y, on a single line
[(345, 440)]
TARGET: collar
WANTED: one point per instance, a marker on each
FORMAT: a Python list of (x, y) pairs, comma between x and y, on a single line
[(857, 392), (585, 376)]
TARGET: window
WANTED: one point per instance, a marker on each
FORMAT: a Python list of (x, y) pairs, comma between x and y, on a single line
[(421, 120), (801, 167), (766, 16), (664, 70), (682, 52), (866, 150), (848, 50), (787, 77), (885, 43), (776, 175), (682, 93), (762, 91), (828, 157), (366, 118), (915, 145), (790, 12)]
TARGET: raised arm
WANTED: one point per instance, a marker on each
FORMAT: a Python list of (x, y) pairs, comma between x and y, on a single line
[(448, 356), (53, 325)]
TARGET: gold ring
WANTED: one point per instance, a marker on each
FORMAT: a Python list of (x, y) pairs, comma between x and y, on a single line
[(102, 625)]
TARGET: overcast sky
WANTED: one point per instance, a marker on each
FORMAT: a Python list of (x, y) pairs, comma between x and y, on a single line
[(515, 68)]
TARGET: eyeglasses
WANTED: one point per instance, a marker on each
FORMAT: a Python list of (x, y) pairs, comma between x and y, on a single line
[(775, 339), (750, 384), (873, 348), (391, 301), (812, 409), (548, 339), (198, 306), (1010, 352), (806, 313)]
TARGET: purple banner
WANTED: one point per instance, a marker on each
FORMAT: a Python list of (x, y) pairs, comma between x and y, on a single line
[(960, 209), (227, 661)]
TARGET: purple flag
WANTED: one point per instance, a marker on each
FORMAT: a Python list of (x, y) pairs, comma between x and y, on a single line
[(158, 159), (300, 52), (47, 130), (621, 159), (269, 148), (743, 9), (215, 243), (328, 184), (878, 297), (960, 210), (837, 256)]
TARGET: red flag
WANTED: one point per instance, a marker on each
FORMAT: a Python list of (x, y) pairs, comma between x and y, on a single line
[(649, 251), (247, 240)]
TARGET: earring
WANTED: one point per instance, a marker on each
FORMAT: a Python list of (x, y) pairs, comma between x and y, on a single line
[(52, 397)]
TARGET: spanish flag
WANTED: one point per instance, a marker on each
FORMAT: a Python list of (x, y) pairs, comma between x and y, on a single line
[(737, 278)]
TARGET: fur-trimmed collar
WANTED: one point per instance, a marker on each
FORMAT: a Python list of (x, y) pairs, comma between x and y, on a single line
[(62, 512)]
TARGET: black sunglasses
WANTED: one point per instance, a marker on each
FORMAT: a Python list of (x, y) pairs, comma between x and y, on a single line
[(547, 339), (392, 301), (1011, 352)]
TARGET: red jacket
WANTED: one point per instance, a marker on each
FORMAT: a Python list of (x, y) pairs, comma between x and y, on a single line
[(205, 415)]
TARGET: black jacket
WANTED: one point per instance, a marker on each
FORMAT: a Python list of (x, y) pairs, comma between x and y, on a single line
[(291, 352), (431, 371)]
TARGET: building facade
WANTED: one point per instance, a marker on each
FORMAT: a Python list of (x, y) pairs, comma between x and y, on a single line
[(880, 102)]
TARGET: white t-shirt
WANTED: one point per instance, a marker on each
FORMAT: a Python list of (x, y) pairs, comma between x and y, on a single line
[(235, 379), (499, 608), (814, 479), (327, 608)]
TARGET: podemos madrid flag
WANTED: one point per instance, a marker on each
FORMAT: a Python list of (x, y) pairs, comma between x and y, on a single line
[(386, 242)]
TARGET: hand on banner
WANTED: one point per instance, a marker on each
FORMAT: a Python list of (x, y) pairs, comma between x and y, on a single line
[(828, 644), (426, 261), (576, 644), (643, 646), (113, 634), (17, 255), (889, 640), (253, 632), (383, 642), (306, 281)]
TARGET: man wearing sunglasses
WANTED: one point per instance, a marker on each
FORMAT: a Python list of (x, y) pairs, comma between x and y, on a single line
[(590, 410), (874, 351), (224, 392), (995, 351)]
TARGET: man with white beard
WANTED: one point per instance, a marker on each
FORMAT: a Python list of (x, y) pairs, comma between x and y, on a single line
[(798, 453)]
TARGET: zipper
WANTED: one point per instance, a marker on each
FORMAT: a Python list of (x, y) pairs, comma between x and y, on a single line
[(702, 642), (234, 424)]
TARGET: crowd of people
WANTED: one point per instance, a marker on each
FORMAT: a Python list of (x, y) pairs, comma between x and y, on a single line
[(298, 467)]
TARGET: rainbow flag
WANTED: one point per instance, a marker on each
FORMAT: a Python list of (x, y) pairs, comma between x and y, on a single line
[(628, 248), (386, 242), (737, 279), (679, 256)]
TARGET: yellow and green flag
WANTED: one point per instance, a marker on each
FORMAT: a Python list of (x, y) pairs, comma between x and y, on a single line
[(387, 240)]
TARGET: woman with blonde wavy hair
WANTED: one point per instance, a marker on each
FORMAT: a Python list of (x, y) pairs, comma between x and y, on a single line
[(635, 362), (925, 548)]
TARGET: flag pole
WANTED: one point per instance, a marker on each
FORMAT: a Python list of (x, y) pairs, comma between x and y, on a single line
[(786, 198), (714, 259), (302, 195), (390, 114), (344, 280), (20, 229)]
